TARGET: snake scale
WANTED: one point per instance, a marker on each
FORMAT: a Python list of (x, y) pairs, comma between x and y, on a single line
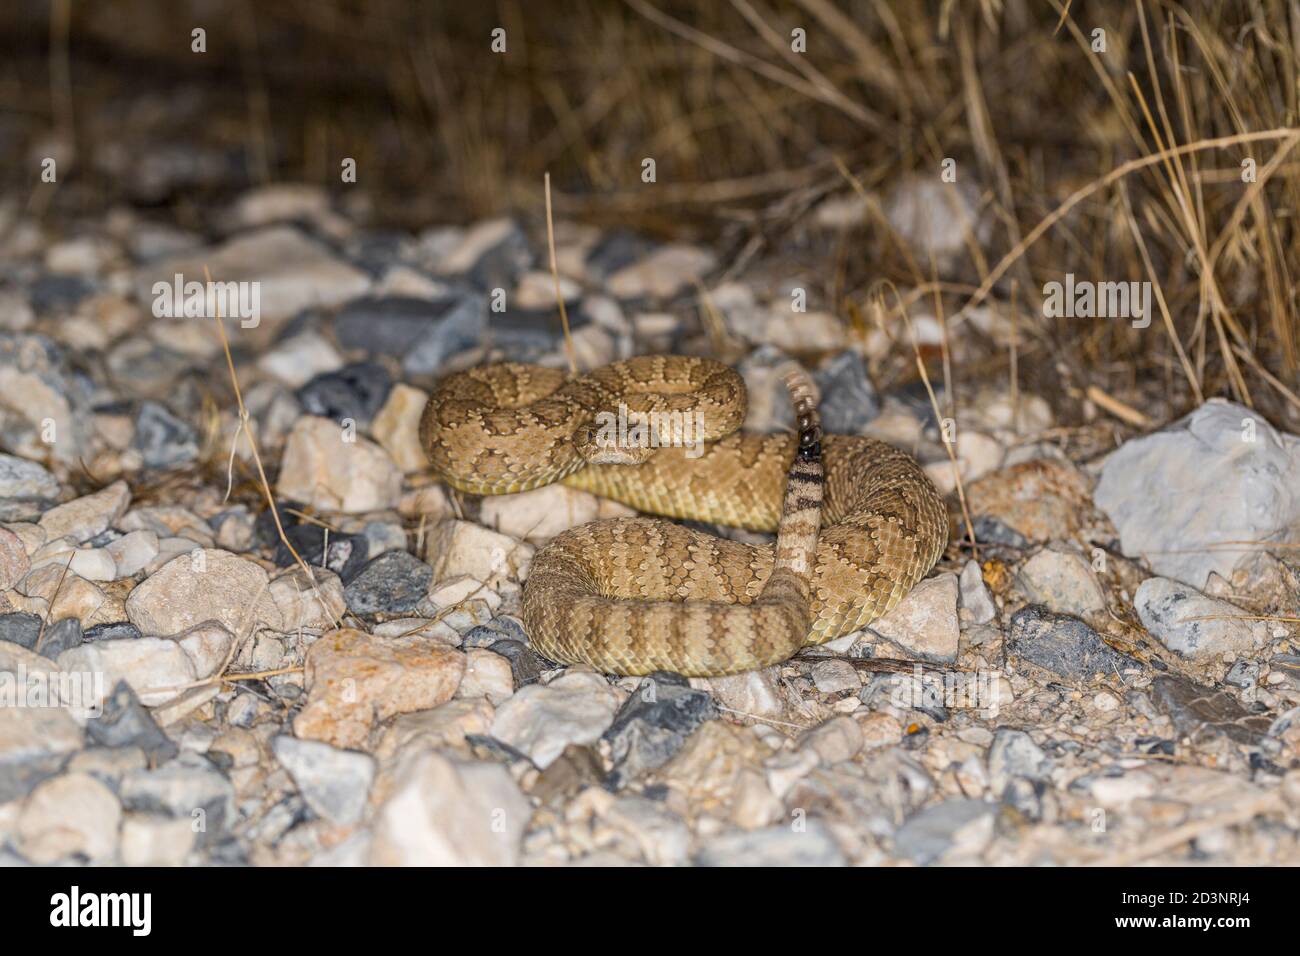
[(858, 522)]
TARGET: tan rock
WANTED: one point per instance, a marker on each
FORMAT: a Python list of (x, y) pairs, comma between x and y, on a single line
[(397, 427), (83, 518), (462, 547), (444, 726), (307, 606), (323, 470), (14, 563), (72, 814), (204, 585)]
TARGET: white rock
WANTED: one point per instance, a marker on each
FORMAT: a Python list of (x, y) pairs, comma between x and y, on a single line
[(1063, 581), (977, 455), (536, 291), (298, 360), (1220, 474), (207, 646), (321, 469), (662, 274), (936, 218), (1170, 611), (157, 668), (207, 585), (397, 427), (69, 815), (463, 588), (20, 478), (486, 675), (444, 812), (661, 836), (133, 551), (976, 598), (83, 518), (33, 731), (924, 624), (93, 564), (150, 839), (540, 514), (335, 783), (454, 548), (542, 720), (752, 692), (307, 606)]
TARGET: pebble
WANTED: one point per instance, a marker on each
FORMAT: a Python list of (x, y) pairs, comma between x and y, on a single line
[(319, 547), (354, 392), (58, 594), (189, 789), (834, 741), (21, 628), (83, 518), (461, 547), (306, 604), (1206, 713), (125, 722), (1015, 755), (421, 333), (1169, 610), (780, 845), (1220, 474), (37, 384), (334, 783), (937, 219), (206, 585), (393, 583), (300, 358), (156, 668), (486, 675), (448, 812), (848, 399), (663, 274), (661, 837), (540, 514), (20, 478), (58, 637), (154, 840), (834, 676), (976, 599), (14, 563), (321, 468), (1040, 500), (355, 680), (72, 816), (541, 720), (163, 440), (957, 825), (753, 693), (446, 725), (1062, 644), (490, 254), (92, 564), (924, 624), (1063, 582), (397, 427), (653, 724)]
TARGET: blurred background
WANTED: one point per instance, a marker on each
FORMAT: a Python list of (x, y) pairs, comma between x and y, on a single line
[(826, 158)]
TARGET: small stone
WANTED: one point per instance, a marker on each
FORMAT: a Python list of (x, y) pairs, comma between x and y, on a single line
[(20, 628), (355, 680), (753, 693), (541, 721), (154, 840), (653, 724), (397, 427), (976, 598), (323, 470), (1186, 621), (14, 563), (318, 547), (879, 730), (356, 392), (306, 604), (132, 552), (30, 733), (157, 669), (37, 387), (778, 845), (486, 675), (393, 583), (206, 585), (126, 723), (20, 478), (1039, 500), (116, 631), (952, 825), (937, 219), (525, 666), (834, 676), (441, 727), (334, 783), (462, 547), (1014, 754), (72, 816), (208, 647), (188, 788), (540, 514), (491, 254), (92, 564), (163, 440), (663, 274), (68, 594), (84, 518), (1205, 713), (924, 624), (443, 812), (1062, 644), (59, 637), (834, 741), (848, 399), (1063, 582), (299, 359)]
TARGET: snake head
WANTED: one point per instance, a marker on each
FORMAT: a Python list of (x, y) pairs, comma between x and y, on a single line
[(605, 445)]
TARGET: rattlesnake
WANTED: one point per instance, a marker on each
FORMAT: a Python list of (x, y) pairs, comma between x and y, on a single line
[(636, 595)]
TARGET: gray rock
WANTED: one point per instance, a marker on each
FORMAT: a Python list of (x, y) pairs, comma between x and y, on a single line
[(20, 628), (653, 724), (1014, 754), (334, 783), (421, 333), (116, 631), (1062, 644), (778, 845), (1204, 713), (490, 255), (1062, 581), (355, 391), (20, 478), (1185, 620), (59, 637), (36, 384), (58, 293), (344, 554), (848, 399), (929, 834), (525, 665), (393, 583), (1176, 494), (975, 597), (188, 787), (164, 441), (125, 722)]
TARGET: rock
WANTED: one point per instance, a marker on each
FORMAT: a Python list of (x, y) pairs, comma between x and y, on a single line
[(43, 726), (661, 837), (541, 721), (321, 468), (461, 547), (207, 645), (1204, 713), (20, 478), (355, 680), (355, 392), (163, 440), (117, 631), (525, 666), (778, 845), (879, 730), (292, 272), (92, 564), (937, 219), (305, 605), (976, 598), (188, 788), (393, 583), (977, 455), (154, 840), (540, 514), (663, 274), (957, 825), (14, 563), (1015, 755), (848, 399), (1063, 582), (132, 552), (834, 676), (397, 427), (84, 518), (44, 405), (297, 360), (834, 741), (446, 725), (157, 669), (1062, 644), (334, 783), (1039, 500), (126, 723), (204, 585), (924, 624), (318, 547), (1155, 489), (752, 693), (68, 594), (653, 724), (1170, 610), (58, 637), (443, 812), (20, 628), (422, 333), (486, 675), (72, 816)]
